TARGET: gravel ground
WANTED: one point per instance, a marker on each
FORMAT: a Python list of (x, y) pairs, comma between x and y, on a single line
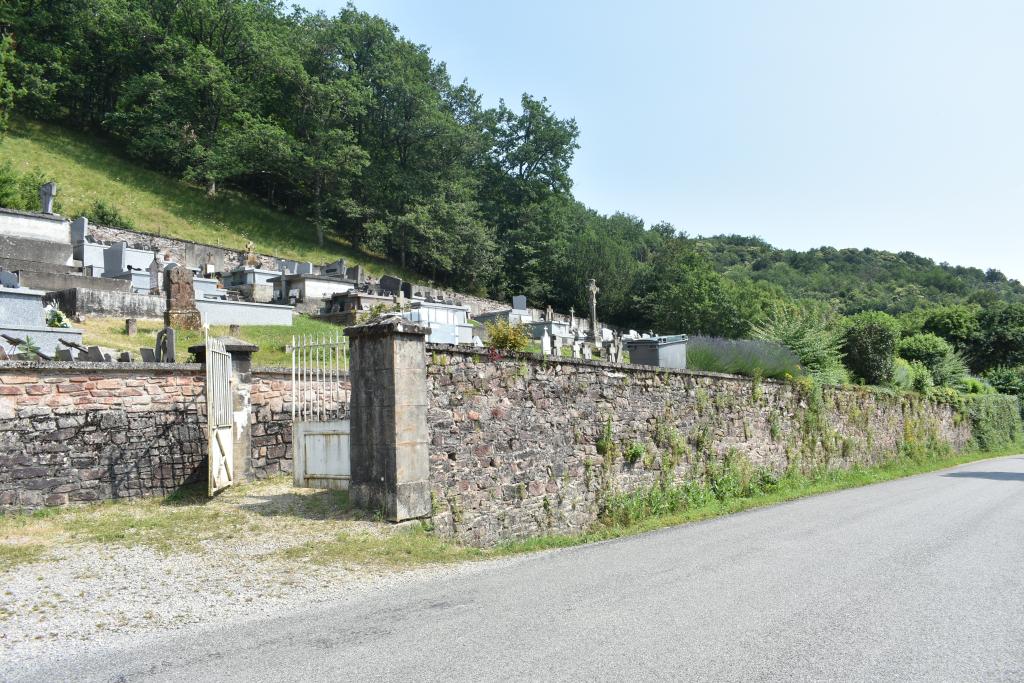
[(87, 594)]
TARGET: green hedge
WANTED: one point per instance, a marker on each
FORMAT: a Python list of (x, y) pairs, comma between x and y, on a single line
[(995, 420)]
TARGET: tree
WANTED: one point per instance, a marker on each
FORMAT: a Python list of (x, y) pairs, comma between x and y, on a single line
[(870, 342), (1001, 337), (8, 91)]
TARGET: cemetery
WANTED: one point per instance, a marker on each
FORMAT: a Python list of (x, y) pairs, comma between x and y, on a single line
[(487, 444)]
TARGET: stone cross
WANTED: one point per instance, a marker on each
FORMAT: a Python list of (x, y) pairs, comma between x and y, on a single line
[(592, 288), (572, 319), (181, 300), (545, 343), (47, 192)]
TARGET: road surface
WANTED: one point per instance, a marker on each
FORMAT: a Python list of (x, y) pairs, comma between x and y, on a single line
[(917, 579)]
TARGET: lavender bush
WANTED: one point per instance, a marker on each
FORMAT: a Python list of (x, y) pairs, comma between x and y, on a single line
[(741, 357)]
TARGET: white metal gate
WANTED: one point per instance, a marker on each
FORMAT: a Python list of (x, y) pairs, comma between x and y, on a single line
[(320, 430), (221, 462)]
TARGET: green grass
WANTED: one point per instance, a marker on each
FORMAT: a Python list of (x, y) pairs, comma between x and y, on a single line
[(272, 339), (188, 522), (790, 487), (88, 170)]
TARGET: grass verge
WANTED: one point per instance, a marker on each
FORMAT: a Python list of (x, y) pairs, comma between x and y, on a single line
[(321, 528), (692, 503)]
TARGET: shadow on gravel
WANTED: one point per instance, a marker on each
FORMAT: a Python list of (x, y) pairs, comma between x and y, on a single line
[(318, 505), (995, 476)]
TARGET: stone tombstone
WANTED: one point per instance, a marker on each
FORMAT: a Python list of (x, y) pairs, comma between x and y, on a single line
[(181, 299), (131, 327), (588, 351), (156, 269), (556, 347), (47, 193), (545, 343), (355, 274), (79, 229), (549, 313), (391, 285), (577, 350), (165, 351), (9, 279), (407, 290), (519, 302)]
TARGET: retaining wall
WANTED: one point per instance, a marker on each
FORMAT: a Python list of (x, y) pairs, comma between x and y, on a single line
[(514, 442)]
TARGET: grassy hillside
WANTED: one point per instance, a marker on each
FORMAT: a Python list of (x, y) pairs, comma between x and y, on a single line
[(87, 170)]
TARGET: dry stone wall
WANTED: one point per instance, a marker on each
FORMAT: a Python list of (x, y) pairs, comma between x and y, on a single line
[(521, 447)]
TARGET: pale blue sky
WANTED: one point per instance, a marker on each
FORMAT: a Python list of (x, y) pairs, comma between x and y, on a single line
[(886, 124)]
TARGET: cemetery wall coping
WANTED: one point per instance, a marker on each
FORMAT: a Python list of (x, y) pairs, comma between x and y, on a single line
[(73, 366), (617, 367)]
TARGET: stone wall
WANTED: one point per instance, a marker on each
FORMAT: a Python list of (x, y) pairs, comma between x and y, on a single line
[(515, 442), (83, 432)]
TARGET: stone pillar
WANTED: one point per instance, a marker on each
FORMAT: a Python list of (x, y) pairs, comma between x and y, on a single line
[(389, 438), (241, 401)]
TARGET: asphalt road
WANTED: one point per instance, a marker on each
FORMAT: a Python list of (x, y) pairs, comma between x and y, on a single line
[(914, 579)]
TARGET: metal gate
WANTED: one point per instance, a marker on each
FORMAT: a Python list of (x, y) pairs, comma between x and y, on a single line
[(320, 430), (221, 461)]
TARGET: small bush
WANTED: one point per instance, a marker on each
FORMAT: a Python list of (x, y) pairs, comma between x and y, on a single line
[(976, 385), (920, 377), (1006, 380), (506, 336), (870, 344), (634, 452), (812, 336), (748, 357), (946, 366), (20, 191), (102, 213)]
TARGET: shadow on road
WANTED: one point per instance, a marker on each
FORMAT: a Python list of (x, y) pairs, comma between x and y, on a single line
[(997, 476)]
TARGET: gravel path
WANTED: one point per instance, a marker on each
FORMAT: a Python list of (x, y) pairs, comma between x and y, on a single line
[(87, 594)]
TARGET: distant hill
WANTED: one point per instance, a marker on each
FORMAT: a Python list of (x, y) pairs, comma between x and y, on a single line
[(858, 279)]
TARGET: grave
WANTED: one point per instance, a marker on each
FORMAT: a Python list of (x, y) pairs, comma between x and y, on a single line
[(662, 352), (181, 310), (23, 316)]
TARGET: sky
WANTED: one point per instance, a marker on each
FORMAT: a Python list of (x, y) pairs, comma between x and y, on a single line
[(886, 124)]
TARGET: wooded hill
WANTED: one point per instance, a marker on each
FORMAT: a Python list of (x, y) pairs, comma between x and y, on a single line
[(337, 131)]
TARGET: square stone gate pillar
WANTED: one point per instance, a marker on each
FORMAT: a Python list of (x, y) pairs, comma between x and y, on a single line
[(389, 439)]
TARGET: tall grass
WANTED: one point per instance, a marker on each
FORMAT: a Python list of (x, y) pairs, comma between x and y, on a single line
[(741, 357)]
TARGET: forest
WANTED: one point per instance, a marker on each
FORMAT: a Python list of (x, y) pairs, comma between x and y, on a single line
[(362, 132)]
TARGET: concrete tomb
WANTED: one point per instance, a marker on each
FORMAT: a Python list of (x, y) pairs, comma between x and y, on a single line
[(23, 317)]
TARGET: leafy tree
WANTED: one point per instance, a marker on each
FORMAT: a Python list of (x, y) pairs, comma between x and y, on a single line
[(956, 323), (8, 91), (1001, 337), (870, 342)]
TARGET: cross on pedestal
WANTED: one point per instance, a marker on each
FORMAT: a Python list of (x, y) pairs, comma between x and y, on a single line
[(592, 288)]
